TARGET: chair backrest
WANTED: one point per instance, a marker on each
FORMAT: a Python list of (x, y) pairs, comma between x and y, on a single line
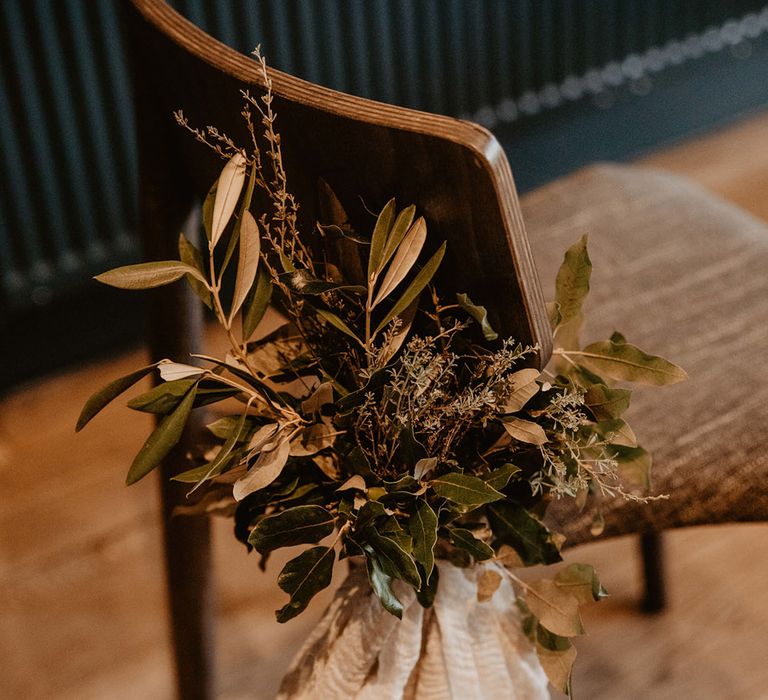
[(454, 171)]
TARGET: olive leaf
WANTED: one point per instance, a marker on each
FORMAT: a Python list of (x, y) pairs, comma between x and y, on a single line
[(423, 528), (465, 490), (515, 526), (190, 255), (171, 371), (265, 470), (303, 577), (397, 232), (248, 261), (299, 525), (524, 430), (479, 313), (230, 185), (210, 198), (556, 607), (162, 440), (379, 238), (405, 258), (629, 363), (217, 464), (416, 286), (109, 393), (245, 204), (149, 275), (256, 303), (464, 539), (337, 323)]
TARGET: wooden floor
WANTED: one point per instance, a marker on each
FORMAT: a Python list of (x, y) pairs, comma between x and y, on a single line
[(81, 592)]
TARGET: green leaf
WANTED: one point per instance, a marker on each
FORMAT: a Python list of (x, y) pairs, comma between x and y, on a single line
[(148, 275), (581, 581), (500, 477), (607, 403), (368, 513), (464, 539), (224, 427), (381, 583), (572, 281), (617, 432), (337, 323), (228, 190), (405, 258), (299, 525), (426, 594), (514, 525), (634, 465), (303, 577), (248, 262), (465, 490), (379, 238), (395, 560), (220, 461), (556, 608), (397, 233), (479, 313), (303, 282), (191, 256), (162, 440), (163, 398), (210, 198), (423, 528), (256, 303), (627, 362), (415, 288), (109, 393)]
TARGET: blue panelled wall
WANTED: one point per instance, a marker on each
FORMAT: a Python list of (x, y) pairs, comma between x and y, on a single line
[(561, 82)]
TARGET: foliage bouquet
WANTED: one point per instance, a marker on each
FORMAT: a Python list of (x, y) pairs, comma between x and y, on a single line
[(378, 422)]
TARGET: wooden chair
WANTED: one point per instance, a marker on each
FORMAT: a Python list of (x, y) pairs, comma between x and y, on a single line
[(458, 176)]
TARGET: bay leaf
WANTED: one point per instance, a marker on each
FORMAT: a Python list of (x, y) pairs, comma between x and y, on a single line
[(515, 526), (465, 539), (524, 430), (303, 577), (422, 525), (465, 490), (299, 525), (556, 608), (148, 275), (627, 362)]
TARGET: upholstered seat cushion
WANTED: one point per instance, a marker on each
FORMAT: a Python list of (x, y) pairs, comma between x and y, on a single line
[(684, 275)]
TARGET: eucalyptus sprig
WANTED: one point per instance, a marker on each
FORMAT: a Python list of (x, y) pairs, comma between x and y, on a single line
[(345, 429)]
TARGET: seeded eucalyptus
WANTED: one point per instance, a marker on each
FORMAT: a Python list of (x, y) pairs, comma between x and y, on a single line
[(338, 426)]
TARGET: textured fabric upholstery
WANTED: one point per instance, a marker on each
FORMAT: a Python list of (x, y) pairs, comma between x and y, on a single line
[(685, 275)]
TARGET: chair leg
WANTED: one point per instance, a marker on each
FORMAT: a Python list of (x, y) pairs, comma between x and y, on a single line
[(652, 554)]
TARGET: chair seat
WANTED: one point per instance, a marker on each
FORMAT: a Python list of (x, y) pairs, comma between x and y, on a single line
[(685, 275)]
